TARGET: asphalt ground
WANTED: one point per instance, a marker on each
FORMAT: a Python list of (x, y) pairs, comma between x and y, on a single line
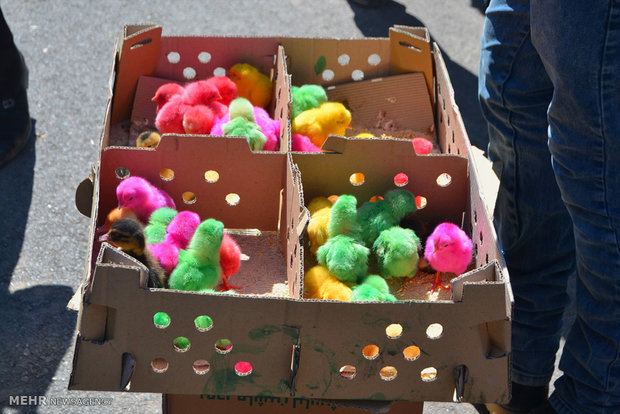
[(68, 47)]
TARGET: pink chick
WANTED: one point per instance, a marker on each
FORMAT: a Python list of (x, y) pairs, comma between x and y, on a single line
[(198, 120), (226, 87), (165, 92), (200, 93), (178, 234), (169, 120), (422, 146), (303, 143), (230, 261), (448, 249), (139, 195)]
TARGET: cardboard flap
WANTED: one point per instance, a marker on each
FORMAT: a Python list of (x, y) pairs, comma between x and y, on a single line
[(282, 100), (410, 51), (138, 56), (84, 194)]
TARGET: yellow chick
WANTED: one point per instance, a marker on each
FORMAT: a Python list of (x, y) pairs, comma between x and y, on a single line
[(318, 123), (148, 139), (365, 135), (320, 284), (252, 84), (319, 209)]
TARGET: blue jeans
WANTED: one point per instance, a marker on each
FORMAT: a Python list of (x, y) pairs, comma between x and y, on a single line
[(549, 87)]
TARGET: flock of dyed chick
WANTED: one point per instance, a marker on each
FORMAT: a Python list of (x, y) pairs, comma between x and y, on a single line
[(342, 237), (167, 233)]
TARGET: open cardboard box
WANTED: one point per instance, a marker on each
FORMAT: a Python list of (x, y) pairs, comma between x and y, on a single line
[(296, 347)]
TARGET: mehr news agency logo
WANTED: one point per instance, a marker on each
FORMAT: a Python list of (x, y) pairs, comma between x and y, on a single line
[(42, 400)]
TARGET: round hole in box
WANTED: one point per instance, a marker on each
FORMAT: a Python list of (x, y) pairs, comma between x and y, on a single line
[(204, 57), (401, 179), (357, 75), (219, 71), (411, 353), (203, 323), (348, 372), (159, 365), (434, 331), (161, 320), (212, 176), (344, 59), (357, 179), (394, 330), (181, 344), (388, 373), (166, 174), (420, 202), (189, 197), (243, 368), (201, 366), (444, 180), (428, 374), (122, 172), (374, 59), (370, 351), (328, 75), (223, 346), (173, 57), (189, 73), (232, 199)]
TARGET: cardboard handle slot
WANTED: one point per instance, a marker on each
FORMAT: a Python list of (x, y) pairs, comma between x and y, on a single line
[(141, 43), (410, 46)]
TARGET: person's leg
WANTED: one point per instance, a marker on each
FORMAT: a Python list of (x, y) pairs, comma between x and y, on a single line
[(14, 116), (579, 43), (533, 226)]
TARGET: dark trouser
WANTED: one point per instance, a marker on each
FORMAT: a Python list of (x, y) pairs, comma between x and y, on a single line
[(11, 65)]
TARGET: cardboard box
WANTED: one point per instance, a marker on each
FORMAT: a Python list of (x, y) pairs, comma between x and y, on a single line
[(296, 348)]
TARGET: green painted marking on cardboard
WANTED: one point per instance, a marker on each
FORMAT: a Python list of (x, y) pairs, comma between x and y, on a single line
[(265, 331), (320, 65)]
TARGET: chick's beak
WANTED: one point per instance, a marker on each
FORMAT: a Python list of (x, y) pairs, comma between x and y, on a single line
[(105, 238)]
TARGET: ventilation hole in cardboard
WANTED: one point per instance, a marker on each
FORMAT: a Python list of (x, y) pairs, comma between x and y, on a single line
[(375, 198), (166, 174), (443, 103), (181, 344), (232, 199), (374, 59), (223, 346), (357, 179), (173, 57), (481, 238), (449, 149), (344, 59), (159, 365), (458, 151), (201, 366), (348, 372), (189, 197), (212, 176), (434, 331), (203, 323), (420, 202), (410, 46), (441, 117), (161, 320), (204, 57), (292, 261), (388, 373), (122, 172), (370, 351), (219, 71), (475, 217), (328, 75), (243, 368), (444, 180), (486, 259), (411, 353), (357, 75), (475, 250), (428, 374), (401, 179), (453, 139), (394, 330), (189, 73)]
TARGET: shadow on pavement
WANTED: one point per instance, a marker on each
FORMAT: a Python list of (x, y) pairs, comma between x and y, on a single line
[(36, 327)]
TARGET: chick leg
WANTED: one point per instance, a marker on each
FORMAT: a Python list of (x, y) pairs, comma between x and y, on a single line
[(224, 285), (437, 284)]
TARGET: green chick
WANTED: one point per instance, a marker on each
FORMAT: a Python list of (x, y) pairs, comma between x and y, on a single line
[(242, 123), (307, 97), (372, 288), (155, 230), (374, 217), (396, 251)]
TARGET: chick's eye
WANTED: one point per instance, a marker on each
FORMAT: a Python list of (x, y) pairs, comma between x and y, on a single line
[(130, 198)]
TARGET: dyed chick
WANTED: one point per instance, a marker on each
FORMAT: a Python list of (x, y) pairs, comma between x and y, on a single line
[(252, 84), (178, 234), (331, 118), (198, 120), (199, 265), (230, 261), (448, 249), (373, 288), (169, 119), (302, 143), (165, 92), (242, 124), (268, 126), (200, 92), (148, 139), (155, 230), (139, 195), (374, 217), (128, 235), (396, 251), (306, 97), (343, 255), (422, 146), (319, 208), (320, 284), (226, 87)]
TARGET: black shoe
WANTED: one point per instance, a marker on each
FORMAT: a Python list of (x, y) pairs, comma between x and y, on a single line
[(524, 400), (15, 126)]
